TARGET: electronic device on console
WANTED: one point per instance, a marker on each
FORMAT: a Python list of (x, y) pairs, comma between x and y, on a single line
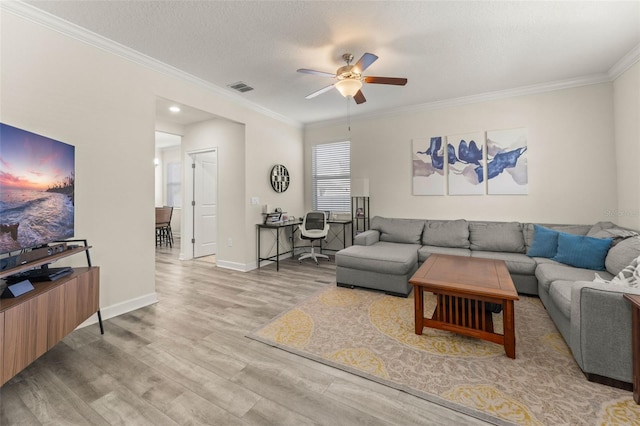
[(43, 273)]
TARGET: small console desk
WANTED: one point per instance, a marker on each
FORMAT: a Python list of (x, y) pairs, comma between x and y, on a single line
[(293, 226)]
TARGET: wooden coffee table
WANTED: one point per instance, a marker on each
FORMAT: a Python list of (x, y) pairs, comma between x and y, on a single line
[(635, 343), (465, 287)]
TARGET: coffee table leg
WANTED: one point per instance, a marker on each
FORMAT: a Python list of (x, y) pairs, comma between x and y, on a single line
[(509, 329), (635, 355), (419, 305)]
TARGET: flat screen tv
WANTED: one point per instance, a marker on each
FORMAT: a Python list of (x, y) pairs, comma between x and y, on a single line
[(37, 180)]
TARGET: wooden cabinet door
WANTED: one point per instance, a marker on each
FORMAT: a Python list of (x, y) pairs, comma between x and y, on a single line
[(71, 300), (55, 325), (25, 335), (2, 371), (88, 295)]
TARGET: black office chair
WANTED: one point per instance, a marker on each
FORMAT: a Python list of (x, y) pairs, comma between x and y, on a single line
[(314, 227)]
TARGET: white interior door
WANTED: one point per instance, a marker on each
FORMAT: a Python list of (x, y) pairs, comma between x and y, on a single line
[(205, 203)]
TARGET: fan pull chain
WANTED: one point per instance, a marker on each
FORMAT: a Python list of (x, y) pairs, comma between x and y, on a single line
[(348, 113)]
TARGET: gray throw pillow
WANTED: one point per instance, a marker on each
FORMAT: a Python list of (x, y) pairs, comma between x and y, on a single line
[(600, 226), (622, 255), (616, 234)]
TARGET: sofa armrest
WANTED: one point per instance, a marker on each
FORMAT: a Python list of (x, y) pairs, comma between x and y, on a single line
[(367, 238), (601, 329)]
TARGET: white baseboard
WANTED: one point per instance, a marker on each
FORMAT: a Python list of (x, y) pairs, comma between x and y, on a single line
[(246, 267), (122, 308), (242, 267), (254, 265)]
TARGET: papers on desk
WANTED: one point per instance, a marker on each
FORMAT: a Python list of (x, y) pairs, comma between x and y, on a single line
[(272, 217)]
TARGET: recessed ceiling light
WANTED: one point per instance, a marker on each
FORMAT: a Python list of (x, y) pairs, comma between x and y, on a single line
[(174, 108)]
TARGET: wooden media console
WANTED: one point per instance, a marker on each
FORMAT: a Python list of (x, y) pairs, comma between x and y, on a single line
[(33, 323)]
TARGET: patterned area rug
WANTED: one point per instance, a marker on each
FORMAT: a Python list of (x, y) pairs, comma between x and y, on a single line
[(372, 335)]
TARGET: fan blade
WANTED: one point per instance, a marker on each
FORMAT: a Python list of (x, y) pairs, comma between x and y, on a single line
[(319, 92), (386, 80), (364, 62), (359, 98), (314, 72)]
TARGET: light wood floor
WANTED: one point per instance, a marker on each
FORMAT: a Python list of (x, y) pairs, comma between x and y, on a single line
[(186, 360)]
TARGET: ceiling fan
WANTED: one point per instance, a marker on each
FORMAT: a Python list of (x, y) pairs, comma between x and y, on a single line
[(350, 78)]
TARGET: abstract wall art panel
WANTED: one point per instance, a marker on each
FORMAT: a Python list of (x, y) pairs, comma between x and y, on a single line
[(465, 156), (507, 162), (428, 166)]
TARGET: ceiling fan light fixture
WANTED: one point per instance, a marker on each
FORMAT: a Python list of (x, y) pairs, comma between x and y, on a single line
[(349, 87), (350, 78)]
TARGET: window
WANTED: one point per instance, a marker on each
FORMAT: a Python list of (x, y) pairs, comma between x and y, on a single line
[(174, 185), (331, 176)]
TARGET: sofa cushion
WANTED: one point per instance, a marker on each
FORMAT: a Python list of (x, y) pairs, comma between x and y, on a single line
[(496, 236), (528, 230), (383, 257), (541, 260), (560, 293), (548, 272), (517, 263), (426, 251), (446, 233), (622, 254), (408, 231), (582, 251), (545, 242)]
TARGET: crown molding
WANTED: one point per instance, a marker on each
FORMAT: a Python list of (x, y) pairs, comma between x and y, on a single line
[(625, 63), (473, 99), (74, 31), (55, 23)]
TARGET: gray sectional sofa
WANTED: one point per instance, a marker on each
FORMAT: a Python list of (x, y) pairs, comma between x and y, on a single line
[(593, 318)]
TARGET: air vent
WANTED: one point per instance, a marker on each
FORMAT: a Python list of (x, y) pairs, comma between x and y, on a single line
[(241, 87)]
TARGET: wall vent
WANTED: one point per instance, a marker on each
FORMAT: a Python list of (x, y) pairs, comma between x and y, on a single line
[(241, 87)]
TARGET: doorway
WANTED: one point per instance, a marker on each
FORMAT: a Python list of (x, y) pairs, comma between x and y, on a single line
[(204, 202)]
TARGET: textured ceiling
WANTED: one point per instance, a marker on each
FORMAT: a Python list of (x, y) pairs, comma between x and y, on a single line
[(446, 49)]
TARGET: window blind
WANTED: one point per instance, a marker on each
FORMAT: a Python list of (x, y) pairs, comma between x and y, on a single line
[(331, 175), (174, 185)]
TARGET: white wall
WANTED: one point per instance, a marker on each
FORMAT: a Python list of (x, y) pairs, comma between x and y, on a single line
[(228, 139), (105, 105), (626, 97), (286, 149), (571, 157)]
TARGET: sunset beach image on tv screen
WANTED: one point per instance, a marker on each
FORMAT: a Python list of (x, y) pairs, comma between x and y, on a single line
[(37, 181)]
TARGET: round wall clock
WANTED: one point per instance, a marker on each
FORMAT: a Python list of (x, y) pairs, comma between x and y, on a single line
[(279, 178)]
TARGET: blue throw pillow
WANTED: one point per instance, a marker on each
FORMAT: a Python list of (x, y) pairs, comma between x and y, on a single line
[(545, 242), (581, 251)]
